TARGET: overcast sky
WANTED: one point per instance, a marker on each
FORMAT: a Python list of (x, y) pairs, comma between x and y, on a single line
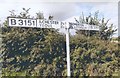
[(62, 11)]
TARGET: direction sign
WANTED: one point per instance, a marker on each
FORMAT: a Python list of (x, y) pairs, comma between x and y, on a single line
[(15, 22), (42, 23), (83, 26), (39, 23), (50, 24)]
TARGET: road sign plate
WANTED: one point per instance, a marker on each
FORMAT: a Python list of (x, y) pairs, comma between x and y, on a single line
[(20, 22), (50, 24), (83, 26), (42, 23), (16, 22)]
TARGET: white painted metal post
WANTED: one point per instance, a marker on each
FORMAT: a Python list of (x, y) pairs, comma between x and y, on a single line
[(68, 52)]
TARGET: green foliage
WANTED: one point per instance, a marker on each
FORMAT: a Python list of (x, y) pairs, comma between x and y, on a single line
[(28, 49), (106, 30), (97, 58)]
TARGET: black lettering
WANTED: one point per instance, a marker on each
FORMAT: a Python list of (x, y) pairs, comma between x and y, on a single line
[(29, 22), (25, 22), (20, 22), (33, 22), (13, 22), (41, 21)]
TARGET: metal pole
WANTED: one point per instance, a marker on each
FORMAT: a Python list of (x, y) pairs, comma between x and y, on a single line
[(68, 52)]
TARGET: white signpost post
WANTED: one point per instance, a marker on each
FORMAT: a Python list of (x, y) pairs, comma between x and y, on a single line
[(38, 23)]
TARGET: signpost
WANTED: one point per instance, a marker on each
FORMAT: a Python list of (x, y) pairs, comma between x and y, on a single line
[(42, 23)]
